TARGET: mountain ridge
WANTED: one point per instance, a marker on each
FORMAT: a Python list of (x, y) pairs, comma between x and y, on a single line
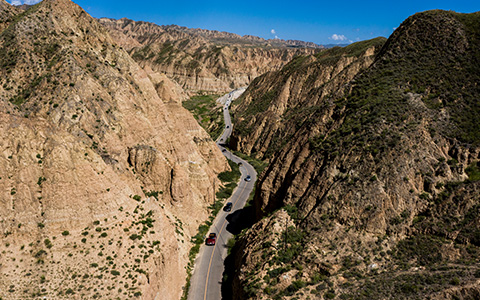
[(218, 36), (366, 198), (196, 60)]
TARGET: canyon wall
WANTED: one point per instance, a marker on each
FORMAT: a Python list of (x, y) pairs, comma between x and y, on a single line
[(373, 183), (104, 176), (203, 60)]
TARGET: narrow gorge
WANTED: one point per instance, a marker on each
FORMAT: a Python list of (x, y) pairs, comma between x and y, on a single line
[(368, 160)]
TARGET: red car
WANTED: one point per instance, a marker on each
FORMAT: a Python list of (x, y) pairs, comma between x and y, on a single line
[(211, 239)]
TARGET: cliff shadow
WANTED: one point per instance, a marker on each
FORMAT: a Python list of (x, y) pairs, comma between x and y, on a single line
[(240, 219), (237, 221)]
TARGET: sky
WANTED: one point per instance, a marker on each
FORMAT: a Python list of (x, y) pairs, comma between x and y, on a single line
[(321, 22)]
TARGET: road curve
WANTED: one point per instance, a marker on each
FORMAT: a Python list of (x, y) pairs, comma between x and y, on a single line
[(206, 281)]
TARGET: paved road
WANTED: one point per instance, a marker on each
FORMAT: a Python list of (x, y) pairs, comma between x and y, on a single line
[(206, 281)]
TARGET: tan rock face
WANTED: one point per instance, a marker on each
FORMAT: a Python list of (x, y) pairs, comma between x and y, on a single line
[(104, 176), (202, 60), (376, 170)]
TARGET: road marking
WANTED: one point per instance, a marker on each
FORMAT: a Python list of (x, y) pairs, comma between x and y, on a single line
[(214, 247)]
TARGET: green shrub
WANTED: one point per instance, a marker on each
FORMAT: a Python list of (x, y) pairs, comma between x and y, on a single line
[(473, 171), (48, 243)]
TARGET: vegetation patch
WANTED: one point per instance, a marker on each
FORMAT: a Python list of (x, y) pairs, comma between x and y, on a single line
[(207, 112)]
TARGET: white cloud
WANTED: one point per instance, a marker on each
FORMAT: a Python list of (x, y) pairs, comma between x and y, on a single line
[(20, 2), (338, 37), (273, 31)]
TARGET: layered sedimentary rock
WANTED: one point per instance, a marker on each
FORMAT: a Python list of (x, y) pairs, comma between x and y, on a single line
[(373, 191), (203, 60), (104, 176)]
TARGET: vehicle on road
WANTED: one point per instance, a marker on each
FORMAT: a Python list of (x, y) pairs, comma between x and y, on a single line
[(228, 206), (211, 239), (228, 126), (224, 150), (239, 164), (248, 178)]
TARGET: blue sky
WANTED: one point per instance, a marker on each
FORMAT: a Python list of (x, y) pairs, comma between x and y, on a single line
[(321, 22)]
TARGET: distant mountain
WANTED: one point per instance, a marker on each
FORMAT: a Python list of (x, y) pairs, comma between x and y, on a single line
[(203, 60), (373, 186), (335, 45)]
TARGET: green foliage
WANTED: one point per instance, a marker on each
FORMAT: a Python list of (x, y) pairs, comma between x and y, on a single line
[(257, 164), (137, 198), (230, 176), (206, 111), (226, 191), (65, 233), (153, 194), (294, 287), (48, 243), (292, 247), (135, 236), (425, 250), (473, 171), (69, 291), (261, 104), (41, 180)]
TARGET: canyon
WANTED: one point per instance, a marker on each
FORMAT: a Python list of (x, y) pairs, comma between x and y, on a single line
[(372, 155)]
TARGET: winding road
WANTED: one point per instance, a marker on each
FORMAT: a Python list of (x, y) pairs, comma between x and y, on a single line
[(206, 281)]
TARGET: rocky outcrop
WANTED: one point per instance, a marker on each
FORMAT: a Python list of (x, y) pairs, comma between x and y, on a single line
[(278, 103), (88, 145), (203, 60), (379, 175)]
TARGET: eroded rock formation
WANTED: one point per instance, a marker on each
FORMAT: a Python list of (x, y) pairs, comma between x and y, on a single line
[(203, 60), (88, 143), (373, 183)]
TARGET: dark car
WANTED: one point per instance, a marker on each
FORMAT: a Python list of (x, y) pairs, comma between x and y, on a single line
[(224, 150), (228, 126), (228, 206), (211, 239), (248, 178)]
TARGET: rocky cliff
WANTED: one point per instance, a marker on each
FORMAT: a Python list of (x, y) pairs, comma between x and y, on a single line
[(373, 194), (203, 60), (104, 176), (279, 102)]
